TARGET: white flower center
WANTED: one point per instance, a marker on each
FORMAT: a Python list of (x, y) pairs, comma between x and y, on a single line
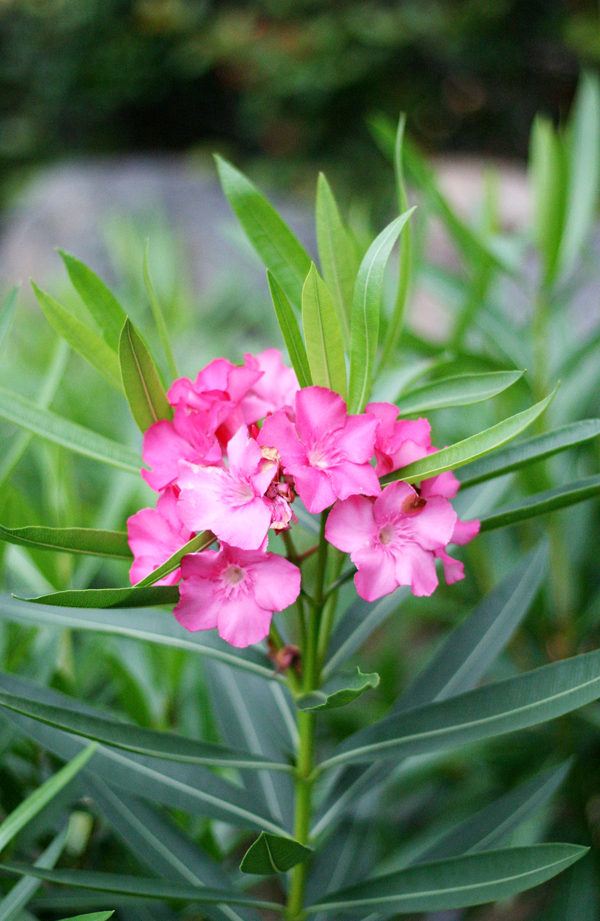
[(317, 457), (233, 575), (386, 535)]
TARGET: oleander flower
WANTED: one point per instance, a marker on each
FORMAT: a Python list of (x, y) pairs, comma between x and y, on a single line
[(155, 534), (187, 437), (275, 389), (326, 451), (235, 591)]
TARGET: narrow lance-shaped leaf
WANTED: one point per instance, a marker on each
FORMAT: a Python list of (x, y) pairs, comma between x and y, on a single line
[(456, 391), (81, 338), (323, 336), (272, 239), (339, 691), (73, 540), (271, 854), (366, 306), (471, 448), (146, 596), (547, 174), (529, 451), (337, 252), (95, 916), (495, 709), (16, 409), (99, 300), (99, 728), (40, 798), (456, 883), (199, 542), (141, 381), (542, 503), (15, 901), (290, 332), (158, 317)]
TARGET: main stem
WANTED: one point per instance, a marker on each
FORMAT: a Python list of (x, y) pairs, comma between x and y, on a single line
[(311, 677)]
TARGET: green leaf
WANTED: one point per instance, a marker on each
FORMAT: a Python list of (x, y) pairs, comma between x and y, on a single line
[(158, 317), (74, 540), (15, 901), (471, 448), (272, 239), (339, 691), (547, 173), (492, 710), (143, 887), (81, 338), (583, 171), (148, 626), (366, 307), (290, 332), (146, 596), (16, 409), (199, 542), (101, 303), (456, 391), (7, 311), (36, 801), (357, 624), (323, 336), (100, 728), (95, 916), (529, 451), (337, 252), (542, 503), (141, 381), (457, 882), (272, 854)]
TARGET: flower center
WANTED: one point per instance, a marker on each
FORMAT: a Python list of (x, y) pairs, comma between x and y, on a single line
[(240, 493), (233, 575), (318, 457), (386, 535)]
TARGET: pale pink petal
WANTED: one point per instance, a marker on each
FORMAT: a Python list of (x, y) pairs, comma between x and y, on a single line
[(386, 413), (278, 432), (432, 527), (314, 488), (354, 479), (445, 484), (393, 499), (464, 531), (319, 412), (357, 438), (453, 569), (376, 574), (276, 582), (242, 622), (416, 567), (198, 607), (350, 524)]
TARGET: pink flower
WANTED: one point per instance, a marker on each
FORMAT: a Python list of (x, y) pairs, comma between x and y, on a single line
[(166, 443), (231, 503), (275, 389), (236, 591), (446, 485), (393, 540), (327, 451), (155, 534), (398, 441)]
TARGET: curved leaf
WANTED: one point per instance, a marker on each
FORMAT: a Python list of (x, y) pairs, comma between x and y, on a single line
[(74, 540), (81, 338), (542, 503), (101, 303), (145, 596), (272, 854), (272, 239), (290, 332), (529, 451), (495, 709), (366, 306), (470, 448), (323, 336), (16, 409), (456, 391), (457, 882), (337, 252), (141, 381), (339, 691)]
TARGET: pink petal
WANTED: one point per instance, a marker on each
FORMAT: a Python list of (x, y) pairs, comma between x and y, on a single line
[(354, 479), (278, 432), (162, 450), (314, 488), (376, 574), (464, 531), (453, 569), (276, 582), (198, 607), (386, 413), (392, 500), (445, 484), (357, 438), (432, 527), (155, 534), (319, 413), (416, 567), (350, 524), (242, 622)]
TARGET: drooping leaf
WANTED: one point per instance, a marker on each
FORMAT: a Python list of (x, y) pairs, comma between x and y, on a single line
[(16, 409), (272, 854), (141, 381), (81, 338), (146, 596), (339, 691), (101, 303), (337, 252), (199, 542), (495, 709), (529, 451), (149, 626), (366, 306), (456, 883), (470, 448), (15, 901), (456, 391), (143, 887), (542, 503), (36, 801), (100, 728), (272, 239), (158, 317), (74, 540), (290, 332), (323, 336)]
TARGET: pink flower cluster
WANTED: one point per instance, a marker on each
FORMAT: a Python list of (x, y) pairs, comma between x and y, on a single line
[(217, 469)]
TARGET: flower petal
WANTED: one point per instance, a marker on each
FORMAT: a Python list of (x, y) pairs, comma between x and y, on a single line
[(276, 582), (319, 412), (350, 524)]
